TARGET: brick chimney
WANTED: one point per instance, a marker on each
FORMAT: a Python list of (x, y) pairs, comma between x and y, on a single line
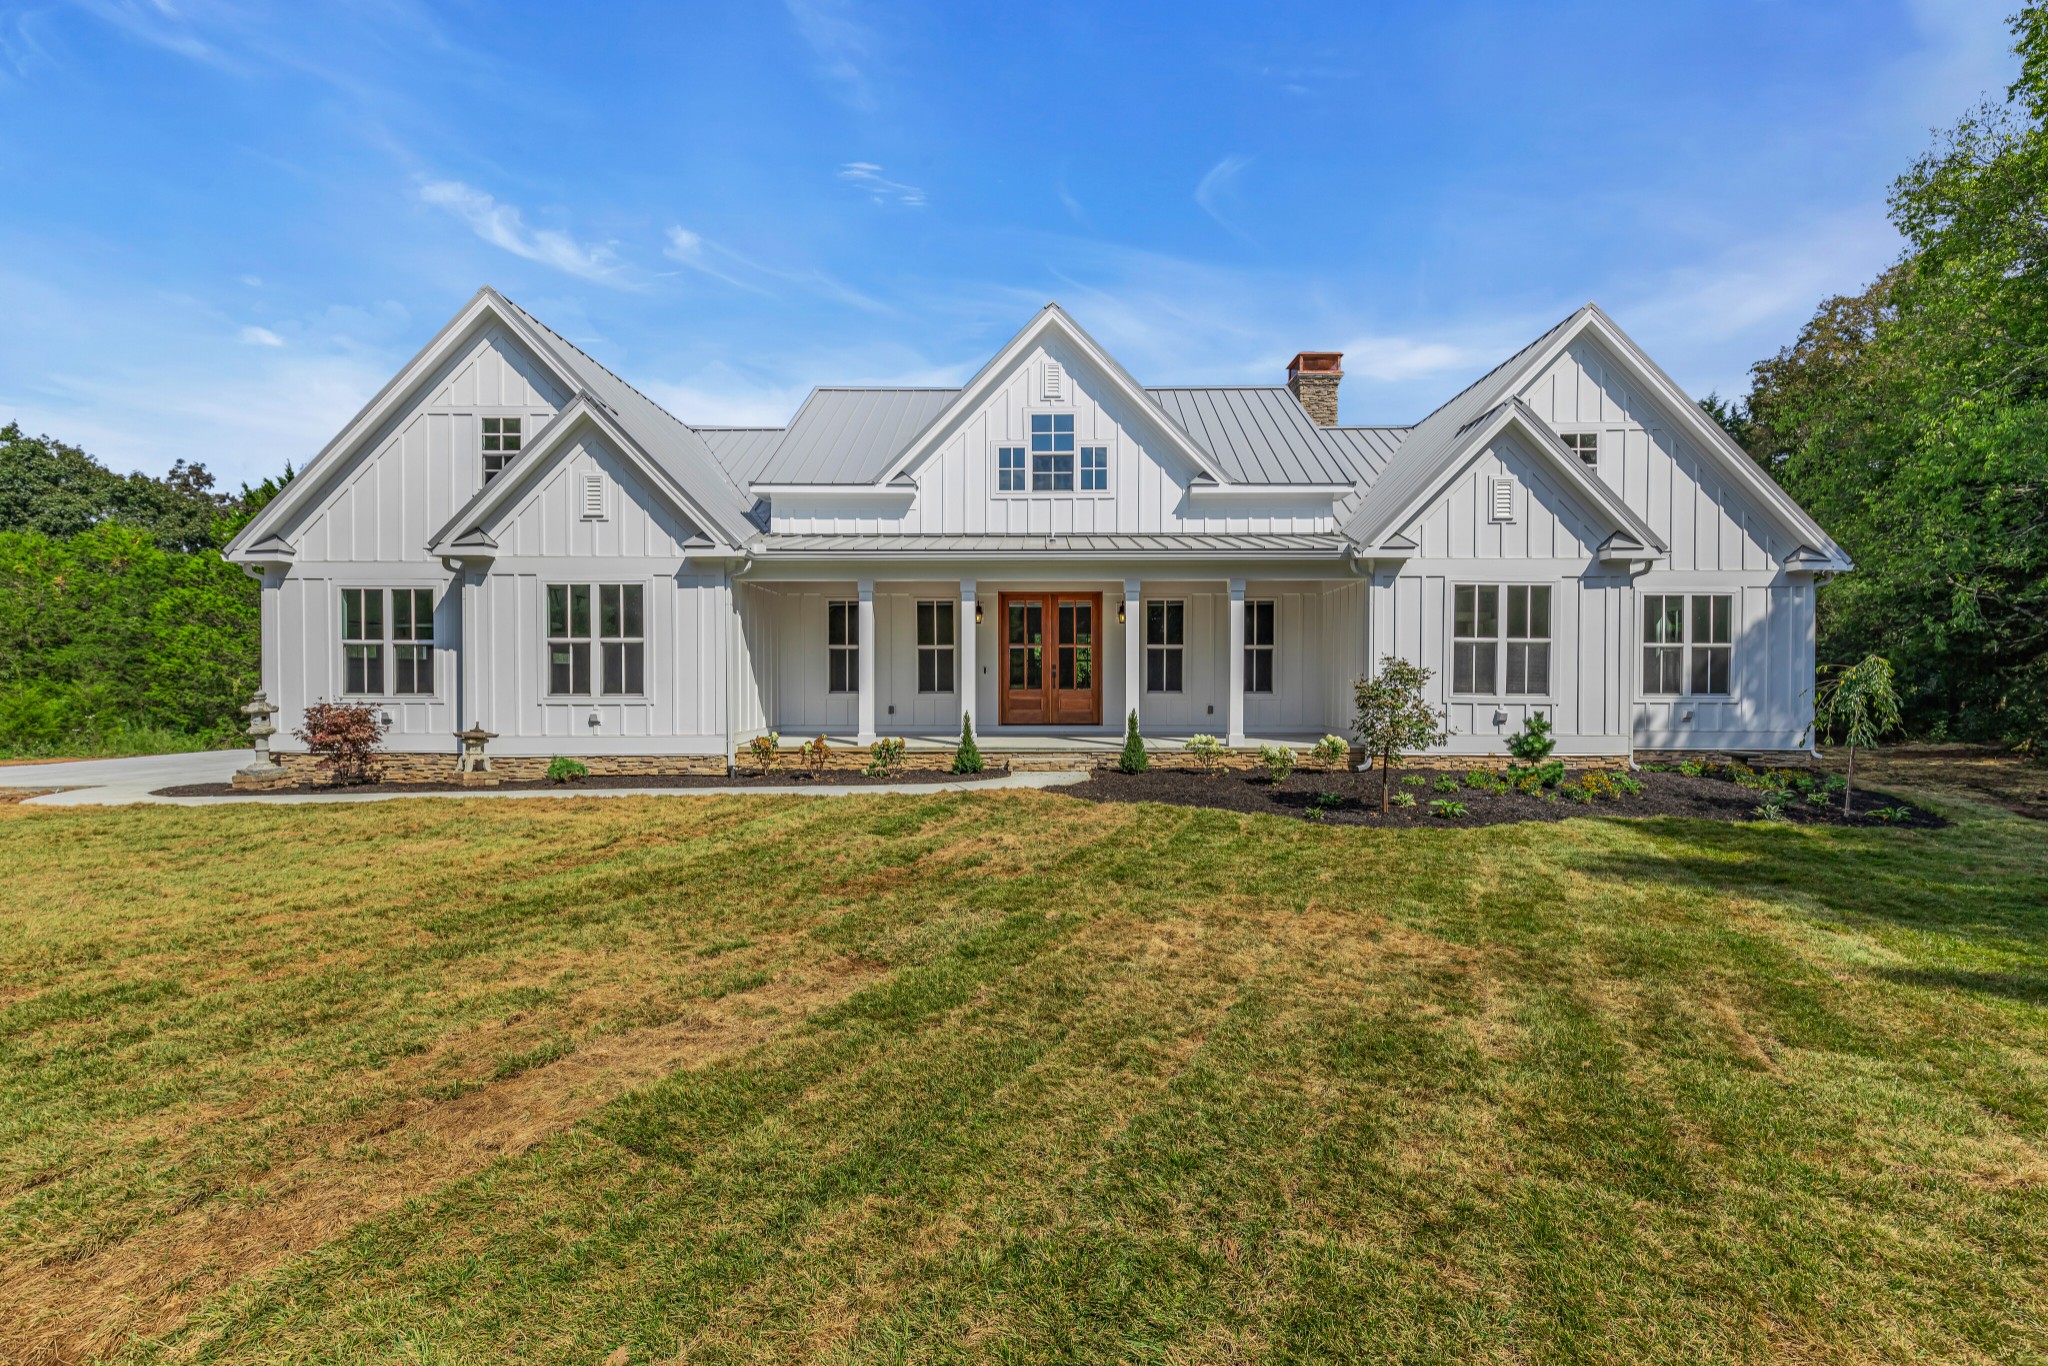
[(1312, 378)]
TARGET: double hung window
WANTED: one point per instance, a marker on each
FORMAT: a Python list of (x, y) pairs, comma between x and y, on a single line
[(1052, 452), (606, 648), (1688, 646), (1500, 640), (387, 641), (935, 645), (842, 646), (1258, 646), (501, 444), (1165, 645)]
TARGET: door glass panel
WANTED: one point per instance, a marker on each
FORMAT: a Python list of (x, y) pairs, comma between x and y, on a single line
[(1027, 645)]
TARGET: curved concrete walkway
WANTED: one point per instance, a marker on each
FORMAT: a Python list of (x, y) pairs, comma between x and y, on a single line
[(118, 782)]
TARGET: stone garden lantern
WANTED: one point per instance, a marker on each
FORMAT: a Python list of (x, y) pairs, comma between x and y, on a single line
[(475, 765), (263, 770)]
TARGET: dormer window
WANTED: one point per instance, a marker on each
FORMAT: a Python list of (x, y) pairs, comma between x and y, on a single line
[(501, 444), (1053, 461)]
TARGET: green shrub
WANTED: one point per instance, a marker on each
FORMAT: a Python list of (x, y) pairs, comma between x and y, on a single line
[(1279, 762), (563, 769), (1446, 783), (1208, 751), (1332, 751), (967, 758), (1446, 808), (1893, 813), (1330, 801), (1134, 759), (1573, 792), (1533, 743), (766, 750), (1404, 799), (884, 757), (1629, 784), (1413, 780)]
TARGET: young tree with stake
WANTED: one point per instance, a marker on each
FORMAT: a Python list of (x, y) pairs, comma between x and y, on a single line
[(1859, 702)]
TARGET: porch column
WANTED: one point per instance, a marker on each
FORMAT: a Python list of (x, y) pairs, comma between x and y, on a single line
[(967, 673), (1134, 646), (469, 660), (865, 624), (1234, 735)]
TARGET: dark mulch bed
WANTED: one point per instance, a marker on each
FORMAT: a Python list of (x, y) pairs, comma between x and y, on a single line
[(613, 781), (1663, 794)]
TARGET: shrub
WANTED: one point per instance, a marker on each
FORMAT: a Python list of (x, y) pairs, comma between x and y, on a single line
[(967, 758), (1404, 799), (347, 738), (1693, 768), (1485, 780), (1575, 792), (1208, 751), (1332, 751), (814, 753), (1893, 813), (1445, 783), (1134, 759), (1392, 715), (766, 750), (1328, 801), (563, 769), (1413, 780), (1533, 743), (1629, 783), (1279, 762), (1549, 773), (1599, 784), (1772, 808), (1446, 808), (884, 757)]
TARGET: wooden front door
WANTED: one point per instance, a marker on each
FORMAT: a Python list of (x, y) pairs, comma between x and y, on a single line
[(1051, 659)]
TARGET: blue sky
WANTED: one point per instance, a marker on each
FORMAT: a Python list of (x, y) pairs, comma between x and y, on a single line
[(227, 224)]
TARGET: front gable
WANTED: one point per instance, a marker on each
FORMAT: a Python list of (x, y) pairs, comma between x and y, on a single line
[(585, 498), (1544, 519), (382, 499), (1650, 455)]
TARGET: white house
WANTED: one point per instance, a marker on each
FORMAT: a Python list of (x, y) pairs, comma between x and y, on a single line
[(509, 537)]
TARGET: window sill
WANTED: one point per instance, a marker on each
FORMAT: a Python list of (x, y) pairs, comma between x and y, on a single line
[(597, 700)]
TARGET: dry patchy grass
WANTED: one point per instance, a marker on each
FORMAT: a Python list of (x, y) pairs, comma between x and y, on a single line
[(1014, 1076)]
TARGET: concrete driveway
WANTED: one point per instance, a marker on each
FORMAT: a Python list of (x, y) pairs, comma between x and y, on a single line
[(115, 782)]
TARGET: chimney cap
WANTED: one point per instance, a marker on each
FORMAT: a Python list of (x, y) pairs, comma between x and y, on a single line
[(1316, 363)]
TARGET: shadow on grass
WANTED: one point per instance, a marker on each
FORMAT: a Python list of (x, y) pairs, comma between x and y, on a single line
[(2030, 988)]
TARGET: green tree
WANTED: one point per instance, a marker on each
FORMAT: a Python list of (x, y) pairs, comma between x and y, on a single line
[(1859, 703), (1908, 419), (1393, 715), (59, 490)]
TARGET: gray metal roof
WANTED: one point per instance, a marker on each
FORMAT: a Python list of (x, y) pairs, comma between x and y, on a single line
[(1434, 439), (744, 451), (666, 439), (849, 436), (1256, 434), (1078, 544)]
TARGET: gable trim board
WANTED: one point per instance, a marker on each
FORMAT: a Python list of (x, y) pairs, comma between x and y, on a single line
[(740, 539)]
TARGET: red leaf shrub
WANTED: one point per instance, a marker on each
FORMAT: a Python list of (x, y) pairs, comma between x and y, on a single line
[(347, 737)]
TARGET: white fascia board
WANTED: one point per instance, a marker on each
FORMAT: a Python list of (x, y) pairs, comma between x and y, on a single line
[(1051, 318), (476, 515), (1207, 491), (834, 490), (313, 479)]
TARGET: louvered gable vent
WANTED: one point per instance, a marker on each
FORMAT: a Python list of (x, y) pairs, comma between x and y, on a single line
[(593, 497), (1502, 497), (1055, 382)]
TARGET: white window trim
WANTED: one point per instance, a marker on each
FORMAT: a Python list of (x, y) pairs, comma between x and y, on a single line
[(1686, 645), (1271, 649), (1569, 438), (596, 639), (853, 651), (1145, 636), (995, 479), (442, 652), (952, 605), (1501, 641), (527, 425)]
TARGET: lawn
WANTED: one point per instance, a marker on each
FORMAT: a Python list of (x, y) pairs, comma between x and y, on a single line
[(1013, 1076)]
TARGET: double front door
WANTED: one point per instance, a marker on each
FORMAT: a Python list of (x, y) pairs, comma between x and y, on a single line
[(1051, 659)]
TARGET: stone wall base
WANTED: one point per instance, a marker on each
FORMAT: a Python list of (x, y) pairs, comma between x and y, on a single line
[(262, 782), (446, 768)]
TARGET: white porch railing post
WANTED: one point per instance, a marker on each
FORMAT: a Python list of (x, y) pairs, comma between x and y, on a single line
[(868, 644), (1134, 646), (1234, 665), (967, 672)]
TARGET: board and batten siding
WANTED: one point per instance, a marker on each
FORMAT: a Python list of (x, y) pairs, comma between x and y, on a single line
[(957, 488)]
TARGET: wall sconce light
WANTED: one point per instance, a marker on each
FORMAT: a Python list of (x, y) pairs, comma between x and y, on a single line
[(1119, 612), (977, 611)]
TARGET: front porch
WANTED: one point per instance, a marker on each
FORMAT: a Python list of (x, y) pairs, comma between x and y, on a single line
[(1049, 666)]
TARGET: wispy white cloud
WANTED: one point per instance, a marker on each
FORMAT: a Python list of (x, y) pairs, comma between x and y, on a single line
[(867, 177), (259, 336), (842, 44), (502, 225), (727, 266), (1217, 189), (253, 281)]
